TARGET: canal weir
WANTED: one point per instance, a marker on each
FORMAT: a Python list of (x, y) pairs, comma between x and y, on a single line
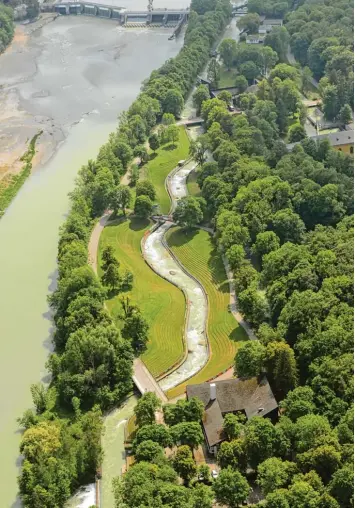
[(156, 17)]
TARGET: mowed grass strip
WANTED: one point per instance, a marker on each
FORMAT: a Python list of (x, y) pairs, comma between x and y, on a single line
[(161, 303), (164, 161), (196, 251)]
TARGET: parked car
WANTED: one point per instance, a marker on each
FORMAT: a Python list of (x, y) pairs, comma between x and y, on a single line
[(214, 474)]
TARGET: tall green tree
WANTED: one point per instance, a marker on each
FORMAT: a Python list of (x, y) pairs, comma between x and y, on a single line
[(188, 212), (146, 188), (228, 50), (145, 409), (231, 488), (250, 358), (143, 206), (200, 95), (214, 72), (184, 463)]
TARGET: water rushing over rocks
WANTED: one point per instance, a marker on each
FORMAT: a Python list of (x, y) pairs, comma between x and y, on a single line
[(162, 261)]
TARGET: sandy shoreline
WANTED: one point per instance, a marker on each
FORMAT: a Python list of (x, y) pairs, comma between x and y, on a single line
[(17, 126)]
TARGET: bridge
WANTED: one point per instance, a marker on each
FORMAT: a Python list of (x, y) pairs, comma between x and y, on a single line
[(165, 17)]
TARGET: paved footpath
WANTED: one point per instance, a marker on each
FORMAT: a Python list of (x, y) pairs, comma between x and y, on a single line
[(145, 381), (93, 247), (233, 302)]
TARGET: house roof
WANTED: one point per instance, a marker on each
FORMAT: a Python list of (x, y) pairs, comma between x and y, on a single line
[(272, 21), (213, 423), (335, 138), (254, 396)]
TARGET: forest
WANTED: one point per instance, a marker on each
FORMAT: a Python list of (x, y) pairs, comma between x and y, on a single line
[(322, 39), (284, 220)]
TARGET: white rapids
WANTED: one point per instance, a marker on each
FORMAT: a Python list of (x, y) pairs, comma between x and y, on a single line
[(159, 257)]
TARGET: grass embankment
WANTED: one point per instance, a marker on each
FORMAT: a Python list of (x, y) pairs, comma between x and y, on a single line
[(161, 303), (165, 160), (192, 185), (198, 254), (11, 184)]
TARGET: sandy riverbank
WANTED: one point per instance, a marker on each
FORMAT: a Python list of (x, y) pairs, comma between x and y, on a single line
[(18, 126)]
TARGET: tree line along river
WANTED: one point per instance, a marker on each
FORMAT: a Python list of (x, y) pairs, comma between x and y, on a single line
[(74, 75)]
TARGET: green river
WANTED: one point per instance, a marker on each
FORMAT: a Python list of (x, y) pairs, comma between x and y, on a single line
[(73, 76)]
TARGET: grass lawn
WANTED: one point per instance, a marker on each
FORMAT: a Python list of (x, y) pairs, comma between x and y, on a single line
[(192, 185), (161, 303), (227, 78), (198, 254), (165, 161)]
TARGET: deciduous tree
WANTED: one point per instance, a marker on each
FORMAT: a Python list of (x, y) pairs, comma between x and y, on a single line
[(188, 212), (200, 95), (145, 409), (231, 488), (145, 188), (250, 358), (154, 142), (228, 49), (143, 206)]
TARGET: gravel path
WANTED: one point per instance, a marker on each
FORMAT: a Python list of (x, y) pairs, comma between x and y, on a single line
[(93, 247)]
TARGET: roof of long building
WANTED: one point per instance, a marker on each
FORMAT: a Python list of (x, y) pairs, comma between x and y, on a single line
[(253, 395), (335, 138)]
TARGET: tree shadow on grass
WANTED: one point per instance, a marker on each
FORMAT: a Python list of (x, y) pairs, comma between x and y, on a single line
[(238, 334), (115, 221), (169, 147), (153, 155), (138, 224), (218, 273), (112, 293), (180, 236)]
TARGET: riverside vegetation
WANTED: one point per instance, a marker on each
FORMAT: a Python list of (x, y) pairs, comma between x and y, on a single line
[(7, 26), (91, 367), (284, 221), (10, 186)]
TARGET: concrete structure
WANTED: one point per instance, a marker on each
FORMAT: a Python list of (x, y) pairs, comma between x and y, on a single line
[(165, 17), (145, 382), (251, 397), (342, 141), (268, 24), (255, 39)]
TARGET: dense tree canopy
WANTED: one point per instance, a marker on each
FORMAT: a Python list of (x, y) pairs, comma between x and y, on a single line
[(322, 39)]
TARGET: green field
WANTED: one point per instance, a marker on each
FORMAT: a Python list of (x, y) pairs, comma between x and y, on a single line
[(192, 185), (227, 78), (161, 303), (198, 254), (165, 161)]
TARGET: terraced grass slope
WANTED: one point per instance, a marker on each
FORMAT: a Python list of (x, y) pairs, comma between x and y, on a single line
[(166, 160), (197, 253), (161, 303)]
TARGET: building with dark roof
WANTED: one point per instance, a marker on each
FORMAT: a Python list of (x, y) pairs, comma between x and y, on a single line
[(252, 396), (342, 141)]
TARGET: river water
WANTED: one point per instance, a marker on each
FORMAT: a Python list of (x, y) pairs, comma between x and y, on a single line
[(71, 77)]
